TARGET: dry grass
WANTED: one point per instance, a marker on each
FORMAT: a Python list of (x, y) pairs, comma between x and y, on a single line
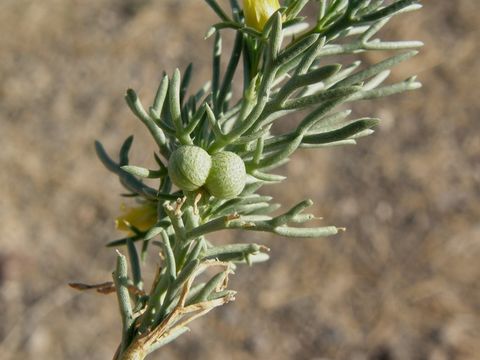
[(402, 283)]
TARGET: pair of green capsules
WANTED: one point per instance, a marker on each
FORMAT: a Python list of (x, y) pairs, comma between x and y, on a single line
[(222, 174)]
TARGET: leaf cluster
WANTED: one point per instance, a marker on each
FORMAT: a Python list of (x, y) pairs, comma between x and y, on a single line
[(290, 66)]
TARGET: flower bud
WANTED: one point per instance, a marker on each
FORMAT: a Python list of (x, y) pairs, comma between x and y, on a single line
[(227, 176), (188, 167), (257, 12)]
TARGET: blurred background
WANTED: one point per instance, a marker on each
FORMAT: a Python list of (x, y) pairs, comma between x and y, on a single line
[(402, 283)]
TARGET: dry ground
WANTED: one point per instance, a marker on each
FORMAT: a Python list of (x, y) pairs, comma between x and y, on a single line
[(402, 283)]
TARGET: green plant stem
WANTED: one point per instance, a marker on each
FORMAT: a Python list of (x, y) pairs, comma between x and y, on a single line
[(133, 353)]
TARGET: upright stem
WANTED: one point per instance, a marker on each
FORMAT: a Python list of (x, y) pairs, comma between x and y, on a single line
[(133, 352)]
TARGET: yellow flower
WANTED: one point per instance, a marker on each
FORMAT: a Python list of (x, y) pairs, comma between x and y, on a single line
[(142, 217), (257, 12)]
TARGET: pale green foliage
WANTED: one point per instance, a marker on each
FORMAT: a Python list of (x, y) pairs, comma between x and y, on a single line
[(288, 66)]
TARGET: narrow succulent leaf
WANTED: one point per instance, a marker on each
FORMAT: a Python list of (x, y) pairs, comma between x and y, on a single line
[(120, 278), (328, 121), (392, 45), (335, 20), (313, 77), (309, 57), (277, 157), (254, 115), (187, 271), (389, 10), (248, 208), (224, 294), (275, 35), (257, 217), (124, 150), (306, 232), (175, 108), (253, 137), (302, 218), (197, 248), (214, 124), (287, 67), (208, 288), (137, 108), (129, 181), (322, 110), (253, 259), (160, 96), (135, 264), (375, 69), (373, 6), (295, 50), (293, 212), (276, 164), (341, 75), (157, 229), (123, 241), (187, 76), (262, 212), (295, 27), (230, 205), (335, 126), (202, 91), (333, 12), (209, 227), (376, 80), (154, 303), (362, 133), (236, 8), (238, 222), (231, 68), (373, 29), (127, 195), (342, 133), (169, 256), (196, 120), (143, 172), (269, 178), (218, 10), (235, 26), (252, 187), (232, 248), (192, 219), (329, 144), (317, 75), (258, 150), (322, 96), (166, 128), (352, 31), (295, 8), (217, 53), (341, 49), (168, 338), (409, 84)]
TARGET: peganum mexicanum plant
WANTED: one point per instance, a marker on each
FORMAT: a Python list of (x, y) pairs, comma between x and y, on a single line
[(216, 149)]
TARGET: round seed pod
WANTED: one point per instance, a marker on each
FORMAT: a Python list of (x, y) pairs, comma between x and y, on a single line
[(189, 166), (227, 176)]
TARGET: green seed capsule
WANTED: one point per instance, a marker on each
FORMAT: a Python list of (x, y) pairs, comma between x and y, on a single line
[(189, 167), (227, 175)]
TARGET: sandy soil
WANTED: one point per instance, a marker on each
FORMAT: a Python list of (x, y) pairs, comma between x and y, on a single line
[(401, 283)]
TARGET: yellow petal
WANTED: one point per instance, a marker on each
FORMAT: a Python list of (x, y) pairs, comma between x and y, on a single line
[(257, 12), (142, 217)]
